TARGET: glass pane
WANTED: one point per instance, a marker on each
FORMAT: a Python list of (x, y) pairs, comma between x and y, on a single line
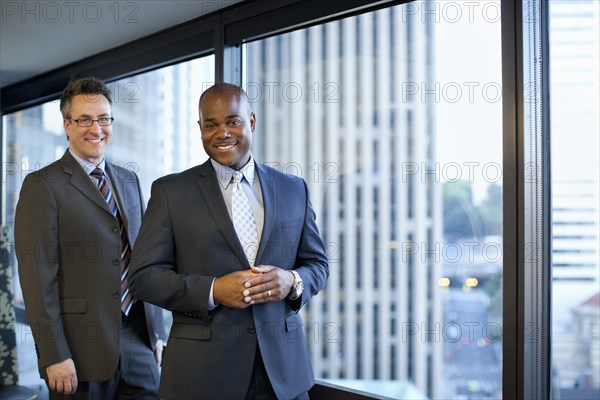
[(394, 120), (575, 104), (155, 133), (156, 116)]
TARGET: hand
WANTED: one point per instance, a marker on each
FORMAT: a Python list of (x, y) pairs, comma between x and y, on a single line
[(62, 377), (228, 289), (269, 284), (158, 350)]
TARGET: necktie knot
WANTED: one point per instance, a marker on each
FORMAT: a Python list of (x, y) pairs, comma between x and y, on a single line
[(97, 173), (237, 177)]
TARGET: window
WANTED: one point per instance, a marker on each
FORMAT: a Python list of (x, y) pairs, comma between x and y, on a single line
[(574, 99), (394, 119)]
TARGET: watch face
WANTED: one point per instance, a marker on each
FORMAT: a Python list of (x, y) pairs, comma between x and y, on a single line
[(299, 287)]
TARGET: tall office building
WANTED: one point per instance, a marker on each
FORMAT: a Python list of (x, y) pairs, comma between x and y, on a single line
[(575, 101), (332, 107)]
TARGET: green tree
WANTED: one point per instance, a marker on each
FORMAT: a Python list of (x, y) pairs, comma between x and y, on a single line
[(491, 210), (462, 219)]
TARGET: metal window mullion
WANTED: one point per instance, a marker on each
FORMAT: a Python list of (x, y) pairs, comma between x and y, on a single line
[(537, 207)]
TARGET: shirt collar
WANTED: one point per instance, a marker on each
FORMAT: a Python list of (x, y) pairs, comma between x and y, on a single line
[(87, 166), (225, 173)]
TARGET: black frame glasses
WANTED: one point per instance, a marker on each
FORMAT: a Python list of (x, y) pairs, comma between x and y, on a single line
[(87, 122)]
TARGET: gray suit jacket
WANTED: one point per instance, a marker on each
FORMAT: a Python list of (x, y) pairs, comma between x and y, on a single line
[(68, 248), (186, 240)]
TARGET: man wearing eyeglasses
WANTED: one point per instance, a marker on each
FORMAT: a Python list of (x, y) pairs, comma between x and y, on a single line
[(75, 227)]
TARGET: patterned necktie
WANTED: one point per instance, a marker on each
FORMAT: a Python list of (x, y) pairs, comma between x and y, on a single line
[(243, 219), (126, 299)]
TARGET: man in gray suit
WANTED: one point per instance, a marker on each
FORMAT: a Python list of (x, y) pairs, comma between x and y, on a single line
[(232, 248), (76, 222)]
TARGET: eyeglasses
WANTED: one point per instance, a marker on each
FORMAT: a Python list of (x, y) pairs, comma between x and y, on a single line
[(86, 122)]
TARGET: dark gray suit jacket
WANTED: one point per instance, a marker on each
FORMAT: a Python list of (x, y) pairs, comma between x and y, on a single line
[(68, 248), (186, 240)]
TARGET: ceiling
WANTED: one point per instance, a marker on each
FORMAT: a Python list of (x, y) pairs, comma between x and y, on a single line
[(39, 36)]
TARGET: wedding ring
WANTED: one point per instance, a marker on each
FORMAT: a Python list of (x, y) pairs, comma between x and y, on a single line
[(269, 293)]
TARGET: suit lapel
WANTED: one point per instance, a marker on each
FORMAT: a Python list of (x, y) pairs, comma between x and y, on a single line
[(82, 182), (269, 196), (213, 198)]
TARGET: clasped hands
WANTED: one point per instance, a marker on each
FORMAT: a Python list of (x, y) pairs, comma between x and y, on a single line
[(259, 284)]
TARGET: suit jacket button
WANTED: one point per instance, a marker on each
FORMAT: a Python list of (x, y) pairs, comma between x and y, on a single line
[(116, 295), (115, 262), (115, 229), (252, 329)]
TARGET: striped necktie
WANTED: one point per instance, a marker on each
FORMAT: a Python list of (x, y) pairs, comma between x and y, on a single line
[(104, 187), (243, 219)]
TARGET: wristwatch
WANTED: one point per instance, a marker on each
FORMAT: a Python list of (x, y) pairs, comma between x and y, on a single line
[(297, 286)]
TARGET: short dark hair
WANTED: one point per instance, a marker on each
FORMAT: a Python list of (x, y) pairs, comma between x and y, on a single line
[(89, 85)]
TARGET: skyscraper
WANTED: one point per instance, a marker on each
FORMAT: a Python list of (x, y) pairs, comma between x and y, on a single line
[(575, 101)]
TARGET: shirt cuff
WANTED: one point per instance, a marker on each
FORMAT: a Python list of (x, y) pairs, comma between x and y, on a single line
[(211, 299)]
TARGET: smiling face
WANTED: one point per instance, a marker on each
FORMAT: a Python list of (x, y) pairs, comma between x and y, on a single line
[(89, 143), (226, 124)]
